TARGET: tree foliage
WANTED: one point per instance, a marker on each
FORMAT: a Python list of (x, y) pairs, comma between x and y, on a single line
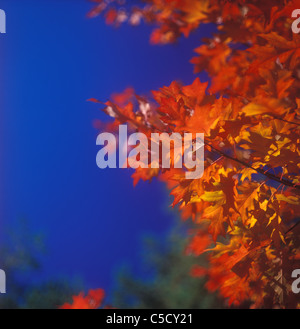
[(246, 205), (21, 253), (168, 285), (93, 300)]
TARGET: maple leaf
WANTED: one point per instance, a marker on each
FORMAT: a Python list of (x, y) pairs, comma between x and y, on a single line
[(277, 48), (199, 244), (92, 300), (212, 57), (198, 271)]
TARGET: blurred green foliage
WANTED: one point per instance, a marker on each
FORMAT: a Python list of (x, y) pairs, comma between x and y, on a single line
[(167, 268), (170, 285), (20, 254)]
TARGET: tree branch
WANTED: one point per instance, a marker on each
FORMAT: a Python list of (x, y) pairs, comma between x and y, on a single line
[(258, 170)]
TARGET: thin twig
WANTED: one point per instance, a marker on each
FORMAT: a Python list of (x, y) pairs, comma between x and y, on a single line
[(258, 170)]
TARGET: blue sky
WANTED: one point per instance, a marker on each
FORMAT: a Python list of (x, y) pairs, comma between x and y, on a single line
[(52, 60)]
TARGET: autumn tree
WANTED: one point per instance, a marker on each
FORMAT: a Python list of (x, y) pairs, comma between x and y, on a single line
[(246, 205)]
